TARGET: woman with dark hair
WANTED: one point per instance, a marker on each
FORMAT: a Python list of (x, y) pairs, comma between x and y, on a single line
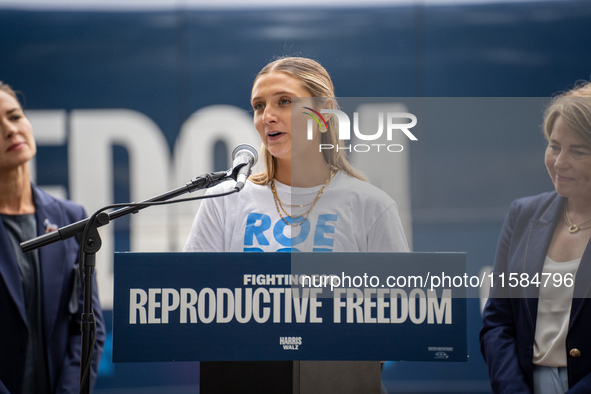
[(40, 338)]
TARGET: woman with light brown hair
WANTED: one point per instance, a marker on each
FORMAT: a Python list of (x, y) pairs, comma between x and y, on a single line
[(305, 199), (535, 339)]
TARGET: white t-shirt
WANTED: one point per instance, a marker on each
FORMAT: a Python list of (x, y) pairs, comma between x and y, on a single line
[(350, 216)]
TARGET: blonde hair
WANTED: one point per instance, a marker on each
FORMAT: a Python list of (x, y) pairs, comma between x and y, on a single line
[(316, 80), (574, 106)]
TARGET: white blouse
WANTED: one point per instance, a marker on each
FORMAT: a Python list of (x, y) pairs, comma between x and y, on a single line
[(554, 306)]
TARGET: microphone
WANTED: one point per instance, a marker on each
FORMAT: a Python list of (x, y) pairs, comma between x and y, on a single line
[(244, 157)]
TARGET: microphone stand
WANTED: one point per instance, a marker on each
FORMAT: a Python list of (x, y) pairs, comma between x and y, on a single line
[(86, 232)]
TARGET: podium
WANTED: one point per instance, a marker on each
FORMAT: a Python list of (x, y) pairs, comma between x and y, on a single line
[(297, 377), (267, 322)]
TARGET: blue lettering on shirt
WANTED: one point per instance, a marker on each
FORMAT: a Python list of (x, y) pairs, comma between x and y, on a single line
[(285, 241), (322, 228), (256, 231), (258, 223)]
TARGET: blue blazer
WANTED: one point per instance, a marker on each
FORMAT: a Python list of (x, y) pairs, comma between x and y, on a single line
[(61, 329), (509, 321)]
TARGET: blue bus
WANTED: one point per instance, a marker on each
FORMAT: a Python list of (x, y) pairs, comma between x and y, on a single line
[(131, 99)]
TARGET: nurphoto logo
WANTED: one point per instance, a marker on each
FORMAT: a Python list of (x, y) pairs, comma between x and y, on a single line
[(388, 124)]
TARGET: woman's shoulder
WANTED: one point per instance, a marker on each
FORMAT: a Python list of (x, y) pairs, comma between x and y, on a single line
[(536, 200), (537, 205), (364, 191), (73, 210), (357, 185)]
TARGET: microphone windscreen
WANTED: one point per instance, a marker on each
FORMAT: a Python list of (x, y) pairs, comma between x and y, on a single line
[(248, 149)]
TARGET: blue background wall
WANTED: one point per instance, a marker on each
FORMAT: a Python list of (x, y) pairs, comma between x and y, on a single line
[(166, 64)]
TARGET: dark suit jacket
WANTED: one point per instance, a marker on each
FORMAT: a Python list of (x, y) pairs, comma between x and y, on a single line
[(509, 321), (61, 329)]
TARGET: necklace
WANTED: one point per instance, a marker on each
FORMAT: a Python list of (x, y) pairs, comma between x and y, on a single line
[(304, 215), (573, 228), (297, 205)]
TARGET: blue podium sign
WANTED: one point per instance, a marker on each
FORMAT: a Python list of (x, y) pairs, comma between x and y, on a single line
[(289, 306)]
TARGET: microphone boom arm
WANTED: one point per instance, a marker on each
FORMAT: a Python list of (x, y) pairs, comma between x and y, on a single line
[(74, 229)]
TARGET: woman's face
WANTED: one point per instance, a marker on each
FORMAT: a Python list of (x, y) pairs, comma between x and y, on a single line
[(568, 160), (17, 145), (271, 102)]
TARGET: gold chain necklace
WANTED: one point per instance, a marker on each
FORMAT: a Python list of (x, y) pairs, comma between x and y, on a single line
[(297, 205), (304, 215), (573, 228)]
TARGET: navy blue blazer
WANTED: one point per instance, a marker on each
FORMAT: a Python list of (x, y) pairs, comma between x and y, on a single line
[(509, 322), (61, 329)]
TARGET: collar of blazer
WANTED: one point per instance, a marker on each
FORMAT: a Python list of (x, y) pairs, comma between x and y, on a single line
[(51, 259)]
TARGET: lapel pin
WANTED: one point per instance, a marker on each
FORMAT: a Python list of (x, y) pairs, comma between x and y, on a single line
[(49, 227)]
